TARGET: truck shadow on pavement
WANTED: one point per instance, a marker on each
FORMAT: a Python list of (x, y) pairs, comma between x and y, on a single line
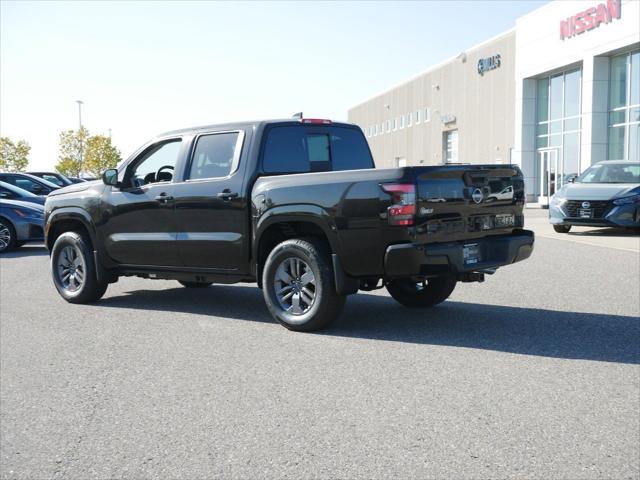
[(35, 250), (525, 331)]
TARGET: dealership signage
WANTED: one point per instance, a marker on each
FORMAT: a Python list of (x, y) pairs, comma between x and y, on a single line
[(489, 63), (589, 19)]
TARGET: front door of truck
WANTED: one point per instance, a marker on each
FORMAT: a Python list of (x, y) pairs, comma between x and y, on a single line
[(211, 209), (138, 221)]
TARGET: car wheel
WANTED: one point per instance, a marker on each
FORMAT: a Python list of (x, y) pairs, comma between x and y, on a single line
[(195, 284), (73, 269), (421, 294), (298, 286), (562, 228), (7, 235)]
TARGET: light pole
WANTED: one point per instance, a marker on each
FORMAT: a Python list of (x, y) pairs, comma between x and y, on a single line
[(80, 103)]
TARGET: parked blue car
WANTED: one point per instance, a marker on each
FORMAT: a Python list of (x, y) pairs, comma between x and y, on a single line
[(20, 222), (11, 192)]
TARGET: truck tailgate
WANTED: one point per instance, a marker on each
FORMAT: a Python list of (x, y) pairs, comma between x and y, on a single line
[(460, 202)]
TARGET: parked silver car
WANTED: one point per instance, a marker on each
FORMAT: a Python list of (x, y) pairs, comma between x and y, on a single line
[(607, 194)]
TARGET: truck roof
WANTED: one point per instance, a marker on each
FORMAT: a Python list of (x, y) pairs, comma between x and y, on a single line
[(245, 124)]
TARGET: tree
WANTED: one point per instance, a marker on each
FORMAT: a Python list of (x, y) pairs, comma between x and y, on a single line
[(100, 155), (71, 152), (14, 156)]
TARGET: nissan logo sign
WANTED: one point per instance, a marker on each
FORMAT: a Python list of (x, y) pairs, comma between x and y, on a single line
[(586, 205), (477, 195)]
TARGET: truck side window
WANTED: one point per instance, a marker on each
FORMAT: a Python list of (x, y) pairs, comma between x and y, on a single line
[(213, 156), (349, 150), (286, 151), (156, 165)]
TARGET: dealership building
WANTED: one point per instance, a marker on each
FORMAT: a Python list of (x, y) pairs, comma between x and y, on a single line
[(555, 94)]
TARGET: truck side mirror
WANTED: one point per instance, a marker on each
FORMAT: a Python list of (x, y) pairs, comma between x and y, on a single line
[(110, 177)]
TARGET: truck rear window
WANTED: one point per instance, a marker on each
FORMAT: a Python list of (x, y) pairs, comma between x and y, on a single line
[(298, 149)]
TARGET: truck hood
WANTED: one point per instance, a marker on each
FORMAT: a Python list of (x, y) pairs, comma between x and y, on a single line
[(595, 191), (76, 187)]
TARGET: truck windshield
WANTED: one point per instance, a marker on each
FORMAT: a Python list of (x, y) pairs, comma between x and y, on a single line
[(298, 149), (611, 173)]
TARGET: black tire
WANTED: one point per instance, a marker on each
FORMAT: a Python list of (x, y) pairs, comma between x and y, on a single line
[(195, 284), (88, 288), (421, 294), (562, 228), (8, 235), (314, 263)]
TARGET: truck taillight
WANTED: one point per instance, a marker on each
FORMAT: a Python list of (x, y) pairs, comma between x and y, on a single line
[(402, 210)]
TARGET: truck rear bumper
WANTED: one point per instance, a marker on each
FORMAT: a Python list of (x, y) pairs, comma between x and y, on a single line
[(442, 258)]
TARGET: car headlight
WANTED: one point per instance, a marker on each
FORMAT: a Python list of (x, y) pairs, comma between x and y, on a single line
[(558, 201), (627, 200)]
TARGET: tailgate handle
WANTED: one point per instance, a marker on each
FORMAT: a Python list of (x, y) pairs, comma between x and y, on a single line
[(164, 198)]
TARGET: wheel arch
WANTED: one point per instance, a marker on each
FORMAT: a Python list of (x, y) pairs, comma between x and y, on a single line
[(66, 220), (294, 221)]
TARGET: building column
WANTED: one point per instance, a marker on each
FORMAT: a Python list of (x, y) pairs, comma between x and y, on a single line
[(595, 105), (524, 153)]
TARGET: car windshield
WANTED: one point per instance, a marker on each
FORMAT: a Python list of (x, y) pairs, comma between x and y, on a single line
[(611, 173)]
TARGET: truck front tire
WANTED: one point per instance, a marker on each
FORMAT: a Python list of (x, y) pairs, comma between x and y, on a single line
[(421, 294), (73, 269), (298, 285)]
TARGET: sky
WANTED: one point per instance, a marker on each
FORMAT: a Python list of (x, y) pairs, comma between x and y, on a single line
[(143, 68)]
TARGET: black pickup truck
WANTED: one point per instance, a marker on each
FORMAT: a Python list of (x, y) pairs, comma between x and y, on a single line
[(295, 205)]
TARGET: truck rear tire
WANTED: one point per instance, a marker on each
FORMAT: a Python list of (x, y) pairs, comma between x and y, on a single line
[(562, 228), (73, 269), (421, 294), (298, 285)]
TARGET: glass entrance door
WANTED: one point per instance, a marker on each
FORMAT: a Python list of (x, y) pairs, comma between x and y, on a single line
[(550, 174)]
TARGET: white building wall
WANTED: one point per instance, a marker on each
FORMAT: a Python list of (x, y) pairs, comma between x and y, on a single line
[(540, 50)]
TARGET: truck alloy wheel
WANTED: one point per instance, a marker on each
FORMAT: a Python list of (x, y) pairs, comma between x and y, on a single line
[(295, 286), (298, 285), (73, 269)]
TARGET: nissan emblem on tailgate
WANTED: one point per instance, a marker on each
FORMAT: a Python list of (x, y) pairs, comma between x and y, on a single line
[(477, 195)]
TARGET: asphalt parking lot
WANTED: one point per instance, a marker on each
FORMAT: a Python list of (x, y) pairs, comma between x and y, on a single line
[(532, 374)]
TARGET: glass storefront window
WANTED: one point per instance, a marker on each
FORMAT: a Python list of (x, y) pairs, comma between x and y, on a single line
[(634, 142), (572, 93), (558, 120), (618, 84), (616, 143), (635, 79), (624, 107), (555, 92), (543, 99), (571, 154)]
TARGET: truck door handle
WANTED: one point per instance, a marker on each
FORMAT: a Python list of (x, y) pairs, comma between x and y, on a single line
[(227, 194), (164, 198)]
